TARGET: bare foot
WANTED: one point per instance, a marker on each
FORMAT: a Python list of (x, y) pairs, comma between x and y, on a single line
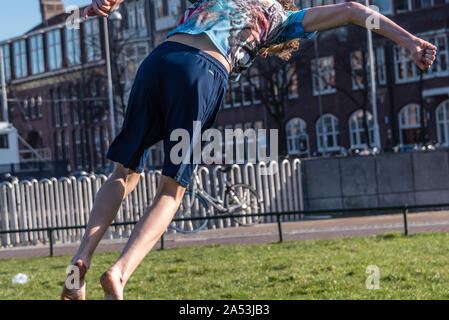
[(112, 284), (80, 293)]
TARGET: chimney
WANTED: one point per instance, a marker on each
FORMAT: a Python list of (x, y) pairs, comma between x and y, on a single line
[(51, 8)]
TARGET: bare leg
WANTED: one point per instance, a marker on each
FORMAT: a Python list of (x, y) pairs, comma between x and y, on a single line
[(106, 205), (143, 238)]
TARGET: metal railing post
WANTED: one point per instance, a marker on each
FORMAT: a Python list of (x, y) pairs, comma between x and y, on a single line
[(281, 237), (162, 241), (405, 212), (50, 237)]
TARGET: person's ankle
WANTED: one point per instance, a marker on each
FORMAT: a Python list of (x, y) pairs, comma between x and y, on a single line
[(80, 262)]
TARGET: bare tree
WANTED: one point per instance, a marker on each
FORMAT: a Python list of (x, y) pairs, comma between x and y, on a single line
[(276, 78)]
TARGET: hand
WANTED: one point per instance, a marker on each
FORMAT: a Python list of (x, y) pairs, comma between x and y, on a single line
[(423, 53), (100, 8)]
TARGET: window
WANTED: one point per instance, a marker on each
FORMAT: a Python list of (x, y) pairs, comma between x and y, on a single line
[(4, 143), (405, 69), (297, 138), (37, 54), (77, 149), (292, 78), (32, 108), (104, 143), (323, 75), (410, 124), (54, 49), (131, 11), (20, 59), (72, 45), (243, 92), (96, 141), (92, 40), (328, 134), (141, 22), (403, 5), (61, 106), (385, 6), (74, 111), (58, 146), (442, 114), (420, 4), (86, 159), (7, 59), (25, 111), (55, 108), (357, 130), (439, 67), (39, 106), (381, 67), (236, 93), (134, 55), (65, 146), (358, 74)]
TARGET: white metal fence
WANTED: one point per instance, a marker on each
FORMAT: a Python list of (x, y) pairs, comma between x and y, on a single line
[(68, 201)]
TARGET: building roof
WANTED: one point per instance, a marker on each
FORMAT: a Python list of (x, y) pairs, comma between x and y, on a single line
[(57, 19)]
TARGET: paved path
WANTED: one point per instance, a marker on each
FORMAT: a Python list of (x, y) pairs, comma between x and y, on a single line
[(436, 221)]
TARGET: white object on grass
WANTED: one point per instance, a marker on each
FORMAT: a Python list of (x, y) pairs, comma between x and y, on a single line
[(20, 278)]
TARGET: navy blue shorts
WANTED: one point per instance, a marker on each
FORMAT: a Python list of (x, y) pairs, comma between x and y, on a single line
[(174, 86)]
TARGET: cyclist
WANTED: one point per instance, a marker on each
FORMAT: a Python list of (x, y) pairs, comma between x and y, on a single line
[(183, 80)]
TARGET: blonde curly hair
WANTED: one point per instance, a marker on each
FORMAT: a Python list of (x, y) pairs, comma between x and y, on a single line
[(285, 50)]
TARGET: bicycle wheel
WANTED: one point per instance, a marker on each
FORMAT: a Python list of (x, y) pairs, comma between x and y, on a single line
[(241, 199), (192, 205)]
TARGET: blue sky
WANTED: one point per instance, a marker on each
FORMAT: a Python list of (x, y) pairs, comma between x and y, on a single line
[(16, 17)]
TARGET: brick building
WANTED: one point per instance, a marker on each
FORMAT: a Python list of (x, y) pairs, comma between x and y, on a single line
[(410, 109), (58, 94)]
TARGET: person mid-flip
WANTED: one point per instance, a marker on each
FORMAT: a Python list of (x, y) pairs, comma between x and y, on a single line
[(184, 79)]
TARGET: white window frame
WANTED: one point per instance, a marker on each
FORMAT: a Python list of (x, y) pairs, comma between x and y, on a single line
[(317, 75), (354, 69), (7, 59), (405, 59), (37, 54), (92, 39), (20, 59), (381, 75), (445, 122), (334, 134), (356, 118), (441, 54), (54, 49), (300, 127), (73, 46), (406, 124)]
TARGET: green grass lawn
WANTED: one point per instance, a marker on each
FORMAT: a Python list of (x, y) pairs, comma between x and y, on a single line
[(413, 267)]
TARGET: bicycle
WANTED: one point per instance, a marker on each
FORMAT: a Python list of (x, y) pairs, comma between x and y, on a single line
[(239, 199)]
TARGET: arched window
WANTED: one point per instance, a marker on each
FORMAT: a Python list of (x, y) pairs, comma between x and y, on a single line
[(327, 133), (410, 124), (357, 129), (442, 113), (297, 138)]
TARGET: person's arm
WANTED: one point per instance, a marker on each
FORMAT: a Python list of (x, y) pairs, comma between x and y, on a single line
[(331, 16), (101, 8)]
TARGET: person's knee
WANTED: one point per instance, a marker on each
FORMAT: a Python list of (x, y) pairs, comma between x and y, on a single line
[(169, 187), (130, 177)]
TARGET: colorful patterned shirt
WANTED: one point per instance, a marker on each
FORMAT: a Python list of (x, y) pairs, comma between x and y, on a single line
[(240, 28)]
